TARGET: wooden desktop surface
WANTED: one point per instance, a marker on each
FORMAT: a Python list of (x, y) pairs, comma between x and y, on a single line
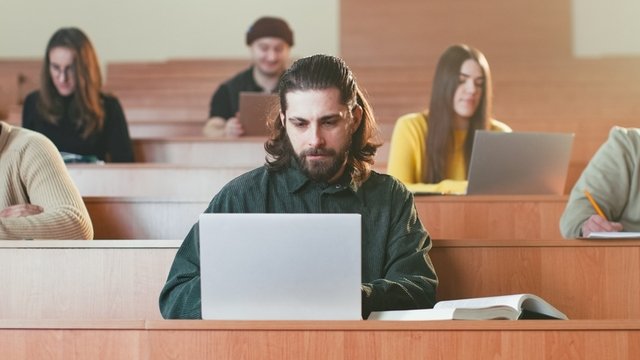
[(136, 339)]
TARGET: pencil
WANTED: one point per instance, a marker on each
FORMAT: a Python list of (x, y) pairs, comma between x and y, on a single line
[(594, 204)]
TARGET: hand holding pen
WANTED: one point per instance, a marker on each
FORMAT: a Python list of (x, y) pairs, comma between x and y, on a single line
[(599, 222)]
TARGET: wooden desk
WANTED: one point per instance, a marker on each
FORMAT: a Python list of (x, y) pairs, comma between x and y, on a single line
[(499, 217), (203, 151), (171, 125), (446, 217), (586, 279), (151, 179), (550, 339), (67, 279), (113, 279), (143, 218)]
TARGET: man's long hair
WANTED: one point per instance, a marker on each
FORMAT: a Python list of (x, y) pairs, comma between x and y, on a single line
[(441, 112), (87, 110), (319, 72)]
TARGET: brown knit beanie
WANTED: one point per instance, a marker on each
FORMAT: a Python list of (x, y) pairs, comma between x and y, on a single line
[(270, 27)]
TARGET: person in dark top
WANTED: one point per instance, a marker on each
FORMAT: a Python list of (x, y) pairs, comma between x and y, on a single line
[(320, 153), (70, 109), (269, 40)]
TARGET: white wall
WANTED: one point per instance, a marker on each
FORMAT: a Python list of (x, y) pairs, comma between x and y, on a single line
[(123, 30), (606, 28), (160, 29)]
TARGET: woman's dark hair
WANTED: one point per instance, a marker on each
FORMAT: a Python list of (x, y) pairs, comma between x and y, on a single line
[(86, 109), (441, 112), (320, 72)]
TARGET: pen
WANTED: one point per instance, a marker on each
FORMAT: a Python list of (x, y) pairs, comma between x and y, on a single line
[(594, 204)]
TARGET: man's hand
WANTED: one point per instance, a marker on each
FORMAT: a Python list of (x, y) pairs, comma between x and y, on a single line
[(596, 223), (233, 128), (21, 210)]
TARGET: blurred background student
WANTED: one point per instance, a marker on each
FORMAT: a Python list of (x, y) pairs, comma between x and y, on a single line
[(430, 151), (612, 179), (38, 199), (269, 40), (70, 107)]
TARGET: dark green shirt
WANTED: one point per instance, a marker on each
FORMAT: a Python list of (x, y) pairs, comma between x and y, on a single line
[(397, 272)]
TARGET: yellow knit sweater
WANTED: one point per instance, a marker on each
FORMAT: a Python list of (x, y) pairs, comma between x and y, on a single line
[(32, 171), (408, 153)]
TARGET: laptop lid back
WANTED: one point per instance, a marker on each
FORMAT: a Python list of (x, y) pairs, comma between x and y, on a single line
[(519, 163), (280, 266)]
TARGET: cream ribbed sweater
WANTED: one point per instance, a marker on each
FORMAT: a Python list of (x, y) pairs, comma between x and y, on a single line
[(32, 171)]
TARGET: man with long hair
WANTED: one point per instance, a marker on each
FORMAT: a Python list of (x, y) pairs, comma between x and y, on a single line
[(319, 160)]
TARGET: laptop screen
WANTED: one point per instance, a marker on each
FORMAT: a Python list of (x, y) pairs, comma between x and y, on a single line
[(519, 163), (280, 266)]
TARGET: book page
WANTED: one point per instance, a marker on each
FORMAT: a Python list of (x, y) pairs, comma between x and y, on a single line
[(419, 314), (501, 312), (613, 235), (512, 301)]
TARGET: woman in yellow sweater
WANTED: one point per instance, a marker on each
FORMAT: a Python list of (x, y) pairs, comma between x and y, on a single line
[(437, 160)]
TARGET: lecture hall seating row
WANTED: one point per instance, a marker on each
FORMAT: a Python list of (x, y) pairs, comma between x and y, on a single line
[(560, 96), (110, 279), (516, 217)]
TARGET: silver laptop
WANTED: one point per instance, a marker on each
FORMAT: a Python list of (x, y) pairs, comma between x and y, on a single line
[(519, 163), (255, 110), (280, 266)]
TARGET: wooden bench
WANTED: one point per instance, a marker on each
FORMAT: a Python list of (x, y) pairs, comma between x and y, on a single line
[(169, 98)]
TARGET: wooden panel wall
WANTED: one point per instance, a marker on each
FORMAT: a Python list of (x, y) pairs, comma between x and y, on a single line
[(416, 31), (393, 48)]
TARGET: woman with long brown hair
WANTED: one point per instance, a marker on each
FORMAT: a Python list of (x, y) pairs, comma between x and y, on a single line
[(70, 107), (430, 151)]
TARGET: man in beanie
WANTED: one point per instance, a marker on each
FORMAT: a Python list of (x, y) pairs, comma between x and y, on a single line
[(269, 40)]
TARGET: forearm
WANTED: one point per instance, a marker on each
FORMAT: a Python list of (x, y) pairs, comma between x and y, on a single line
[(180, 296), (411, 285), (62, 223), (445, 187)]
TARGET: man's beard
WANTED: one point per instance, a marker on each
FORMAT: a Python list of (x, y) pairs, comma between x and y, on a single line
[(325, 169)]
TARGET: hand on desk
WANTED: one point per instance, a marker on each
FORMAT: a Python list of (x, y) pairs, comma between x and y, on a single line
[(218, 127), (596, 223), (233, 128), (21, 210)]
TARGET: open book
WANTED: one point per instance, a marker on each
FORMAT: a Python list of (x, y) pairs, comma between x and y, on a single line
[(506, 307), (614, 235)]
